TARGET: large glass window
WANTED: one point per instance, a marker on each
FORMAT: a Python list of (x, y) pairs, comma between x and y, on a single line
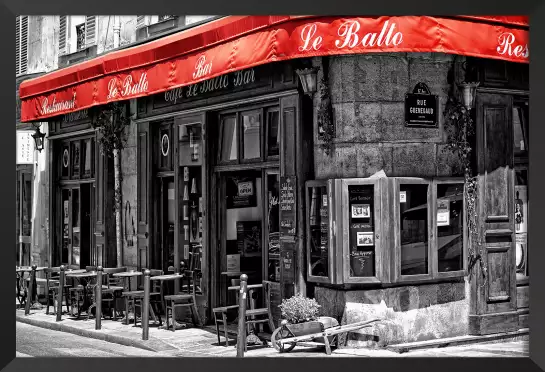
[(413, 222), (229, 144), (450, 227), (319, 231), (251, 140), (273, 132)]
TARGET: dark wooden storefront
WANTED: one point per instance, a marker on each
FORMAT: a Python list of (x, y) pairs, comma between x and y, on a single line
[(81, 189), (194, 144)]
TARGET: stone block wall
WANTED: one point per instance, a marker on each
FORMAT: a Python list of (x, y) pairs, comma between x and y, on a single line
[(368, 93)]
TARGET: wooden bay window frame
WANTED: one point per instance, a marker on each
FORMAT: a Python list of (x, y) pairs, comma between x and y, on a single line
[(381, 218), (432, 253)]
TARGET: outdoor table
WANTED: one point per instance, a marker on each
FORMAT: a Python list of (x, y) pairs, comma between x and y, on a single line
[(20, 273), (127, 275), (84, 278), (163, 279)]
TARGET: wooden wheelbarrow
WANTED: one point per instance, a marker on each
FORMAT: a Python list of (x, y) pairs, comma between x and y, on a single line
[(323, 332)]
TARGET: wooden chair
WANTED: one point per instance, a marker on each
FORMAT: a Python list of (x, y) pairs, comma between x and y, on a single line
[(133, 299), (253, 316), (112, 288), (52, 288), (186, 298)]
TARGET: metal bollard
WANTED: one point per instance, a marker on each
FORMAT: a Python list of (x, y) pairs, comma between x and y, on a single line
[(241, 336), (145, 307), (31, 289), (60, 293), (98, 299)]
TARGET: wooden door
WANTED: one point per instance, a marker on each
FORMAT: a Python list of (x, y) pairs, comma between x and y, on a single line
[(24, 213), (143, 198), (493, 302)]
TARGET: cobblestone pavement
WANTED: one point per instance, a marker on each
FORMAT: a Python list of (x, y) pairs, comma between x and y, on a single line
[(202, 342)]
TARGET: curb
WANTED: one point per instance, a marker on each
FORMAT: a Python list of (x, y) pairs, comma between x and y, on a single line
[(115, 339), (521, 334)]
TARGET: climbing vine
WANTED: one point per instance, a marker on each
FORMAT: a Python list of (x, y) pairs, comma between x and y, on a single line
[(111, 122), (460, 129), (325, 119)]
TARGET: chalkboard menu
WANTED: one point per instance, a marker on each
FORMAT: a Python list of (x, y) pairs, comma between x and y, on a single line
[(288, 202), (361, 230)]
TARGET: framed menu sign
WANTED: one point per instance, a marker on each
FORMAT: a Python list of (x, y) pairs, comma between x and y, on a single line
[(361, 230), (421, 107), (241, 192), (288, 202)]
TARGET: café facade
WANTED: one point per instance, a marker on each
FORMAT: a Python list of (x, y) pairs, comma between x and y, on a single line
[(313, 152)]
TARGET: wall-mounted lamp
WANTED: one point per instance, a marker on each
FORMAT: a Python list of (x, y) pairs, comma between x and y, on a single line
[(309, 77), (468, 92), (38, 137)]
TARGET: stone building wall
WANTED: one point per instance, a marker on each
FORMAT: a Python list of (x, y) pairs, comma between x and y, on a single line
[(367, 93)]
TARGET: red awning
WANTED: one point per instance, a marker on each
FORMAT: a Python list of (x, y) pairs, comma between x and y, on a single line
[(238, 42)]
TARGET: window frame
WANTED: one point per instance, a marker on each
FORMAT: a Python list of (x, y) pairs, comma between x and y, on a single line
[(266, 112), (342, 234), (398, 277), (434, 257), (332, 273), (240, 129)]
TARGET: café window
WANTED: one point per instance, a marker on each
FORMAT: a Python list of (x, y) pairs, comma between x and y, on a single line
[(520, 136), (359, 233), (76, 159), (249, 136)]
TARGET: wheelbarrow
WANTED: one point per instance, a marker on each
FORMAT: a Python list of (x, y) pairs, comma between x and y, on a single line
[(323, 332)]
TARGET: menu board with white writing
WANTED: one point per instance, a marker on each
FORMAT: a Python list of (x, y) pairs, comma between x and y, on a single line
[(361, 230), (288, 202)]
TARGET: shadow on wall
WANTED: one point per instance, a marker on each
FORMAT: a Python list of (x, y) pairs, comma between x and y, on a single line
[(410, 313)]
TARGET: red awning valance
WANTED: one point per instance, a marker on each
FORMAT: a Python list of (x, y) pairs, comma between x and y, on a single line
[(239, 42)]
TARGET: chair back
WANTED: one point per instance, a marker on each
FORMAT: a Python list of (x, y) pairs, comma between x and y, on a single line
[(51, 273), (190, 282), (108, 278), (90, 268), (156, 285), (73, 267)]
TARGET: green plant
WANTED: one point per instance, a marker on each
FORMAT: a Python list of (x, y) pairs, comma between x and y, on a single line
[(299, 309), (460, 129)]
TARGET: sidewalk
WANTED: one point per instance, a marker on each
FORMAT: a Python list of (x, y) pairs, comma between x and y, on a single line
[(203, 342)]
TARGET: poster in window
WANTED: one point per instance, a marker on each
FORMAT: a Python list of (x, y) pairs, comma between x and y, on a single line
[(443, 212), (361, 211), (364, 239), (249, 238), (521, 253), (521, 209), (241, 192)]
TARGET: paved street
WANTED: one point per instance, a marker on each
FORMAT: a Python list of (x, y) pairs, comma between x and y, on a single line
[(39, 342)]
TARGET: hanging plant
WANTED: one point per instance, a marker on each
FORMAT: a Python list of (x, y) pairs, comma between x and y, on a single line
[(326, 129), (460, 129)]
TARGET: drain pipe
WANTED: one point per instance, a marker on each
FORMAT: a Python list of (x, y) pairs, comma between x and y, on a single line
[(117, 31)]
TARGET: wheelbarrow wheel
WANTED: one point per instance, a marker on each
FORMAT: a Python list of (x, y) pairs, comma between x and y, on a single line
[(278, 335)]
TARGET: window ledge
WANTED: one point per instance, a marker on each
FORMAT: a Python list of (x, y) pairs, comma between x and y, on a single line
[(160, 27), (79, 56)]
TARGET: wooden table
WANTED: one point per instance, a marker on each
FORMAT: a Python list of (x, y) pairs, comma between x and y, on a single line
[(19, 275), (82, 278), (163, 279)]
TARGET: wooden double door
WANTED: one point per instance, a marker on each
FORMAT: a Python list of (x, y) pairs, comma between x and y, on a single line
[(76, 225)]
